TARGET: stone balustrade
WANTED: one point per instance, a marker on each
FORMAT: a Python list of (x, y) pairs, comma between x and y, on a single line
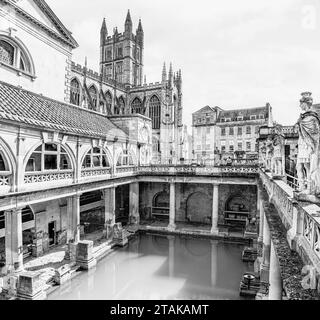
[(94, 172), (35, 177), (281, 194), (5, 182)]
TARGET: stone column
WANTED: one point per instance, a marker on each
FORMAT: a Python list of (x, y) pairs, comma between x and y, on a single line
[(214, 263), (261, 215), (76, 218), (172, 214), (134, 216), (171, 255), (109, 205), (215, 210), (275, 289), (264, 274), (13, 240)]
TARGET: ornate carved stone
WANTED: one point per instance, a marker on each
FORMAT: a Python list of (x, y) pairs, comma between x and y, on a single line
[(308, 160)]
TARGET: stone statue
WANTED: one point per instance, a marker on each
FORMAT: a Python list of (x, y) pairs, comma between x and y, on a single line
[(308, 164), (277, 163)]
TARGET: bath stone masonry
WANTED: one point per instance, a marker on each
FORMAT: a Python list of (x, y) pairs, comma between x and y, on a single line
[(134, 203), (30, 286), (85, 258), (265, 266)]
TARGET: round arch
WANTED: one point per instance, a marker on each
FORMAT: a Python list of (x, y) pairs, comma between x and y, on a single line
[(104, 149), (8, 156), (237, 202), (38, 144), (24, 52), (199, 208)]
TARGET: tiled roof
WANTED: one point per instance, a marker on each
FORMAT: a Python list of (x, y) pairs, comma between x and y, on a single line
[(245, 113), (35, 110)]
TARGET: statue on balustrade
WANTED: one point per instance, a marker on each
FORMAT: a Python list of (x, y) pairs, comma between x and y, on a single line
[(269, 153), (308, 158), (277, 161)]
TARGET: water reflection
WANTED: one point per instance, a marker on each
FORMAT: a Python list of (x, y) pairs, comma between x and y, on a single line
[(162, 267)]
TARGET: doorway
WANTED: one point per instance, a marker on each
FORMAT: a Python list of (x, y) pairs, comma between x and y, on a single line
[(52, 233)]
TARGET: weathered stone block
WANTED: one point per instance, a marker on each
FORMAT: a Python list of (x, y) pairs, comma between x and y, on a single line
[(30, 286), (71, 252), (119, 235), (85, 258), (62, 274)]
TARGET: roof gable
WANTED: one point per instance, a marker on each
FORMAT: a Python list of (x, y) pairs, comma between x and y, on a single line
[(204, 109), (40, 13)]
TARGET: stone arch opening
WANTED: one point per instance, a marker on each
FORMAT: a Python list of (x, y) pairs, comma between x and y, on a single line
[(199, 208), (236, 211)]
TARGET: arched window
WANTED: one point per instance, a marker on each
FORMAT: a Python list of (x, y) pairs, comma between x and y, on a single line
[(75, 92), (93, 95), (96, 158), (155, 145), (119, 108), (125, 159), (154, 112), (108, 96), (136, 106), (6, 53), (13, 55), (49, 157)]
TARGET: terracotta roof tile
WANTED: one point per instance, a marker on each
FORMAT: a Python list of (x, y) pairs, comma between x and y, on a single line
[(29, 108)]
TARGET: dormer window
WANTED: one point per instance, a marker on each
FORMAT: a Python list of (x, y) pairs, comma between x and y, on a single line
[(240, 118), (253, 117), (13, 56)]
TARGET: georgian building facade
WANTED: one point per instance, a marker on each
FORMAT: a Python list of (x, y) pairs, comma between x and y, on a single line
[(218, 133)]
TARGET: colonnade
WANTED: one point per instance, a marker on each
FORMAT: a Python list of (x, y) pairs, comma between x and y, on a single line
[(270, 268)]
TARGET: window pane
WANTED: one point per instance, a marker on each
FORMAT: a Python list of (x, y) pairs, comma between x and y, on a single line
[(64, 162), (6, 52), (96, 150), (105, 162), (2, 164), (96, 161), (87, 161), (51, 147), (39, 149), (50, 162), (34, 163), (63, 150)]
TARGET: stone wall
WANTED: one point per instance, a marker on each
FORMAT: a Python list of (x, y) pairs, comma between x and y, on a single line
[(247, 193)]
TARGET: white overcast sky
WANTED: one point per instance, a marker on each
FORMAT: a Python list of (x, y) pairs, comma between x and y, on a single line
[(233, 53)]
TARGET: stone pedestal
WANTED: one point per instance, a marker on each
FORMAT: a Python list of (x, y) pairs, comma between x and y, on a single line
[(85, 257), (108, 231), (62, 274), (119, 235), (71, 251), (30, 287)]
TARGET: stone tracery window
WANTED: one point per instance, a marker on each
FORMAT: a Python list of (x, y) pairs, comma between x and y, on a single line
[(108, 96), (96, 158), (136, 106), (13, 55), (49, 157), (93, 95), (154, 112), (75, 92), (120, 107)]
